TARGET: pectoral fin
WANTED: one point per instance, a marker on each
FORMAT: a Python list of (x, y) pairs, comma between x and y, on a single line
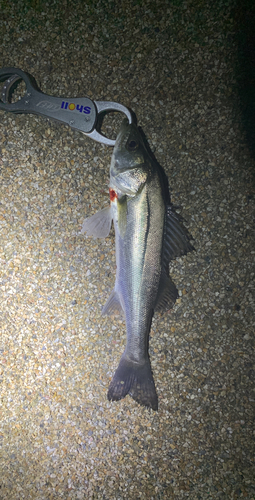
[(99, 224), (122, 215)]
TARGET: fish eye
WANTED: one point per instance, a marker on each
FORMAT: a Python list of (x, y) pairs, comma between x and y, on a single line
[(132, 145)]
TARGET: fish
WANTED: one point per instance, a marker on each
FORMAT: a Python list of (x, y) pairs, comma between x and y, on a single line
[(148, 235)]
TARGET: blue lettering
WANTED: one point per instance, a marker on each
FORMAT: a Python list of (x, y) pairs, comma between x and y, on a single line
[(79, 108)]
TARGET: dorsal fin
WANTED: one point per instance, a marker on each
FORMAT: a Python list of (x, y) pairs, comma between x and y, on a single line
[(167, 293), (176, 238)]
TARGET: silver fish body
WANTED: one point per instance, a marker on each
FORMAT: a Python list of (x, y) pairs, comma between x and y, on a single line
[(147, 236)]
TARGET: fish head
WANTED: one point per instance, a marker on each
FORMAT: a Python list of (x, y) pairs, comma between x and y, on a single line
[(130, 164)]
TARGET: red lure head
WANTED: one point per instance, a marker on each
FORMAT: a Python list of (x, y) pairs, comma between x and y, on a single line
[(113, 194)]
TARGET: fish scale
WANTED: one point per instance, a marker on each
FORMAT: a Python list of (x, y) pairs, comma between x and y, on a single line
[(148, 234)]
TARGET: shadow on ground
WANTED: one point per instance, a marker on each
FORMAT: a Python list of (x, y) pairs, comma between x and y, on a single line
[(245, 32)]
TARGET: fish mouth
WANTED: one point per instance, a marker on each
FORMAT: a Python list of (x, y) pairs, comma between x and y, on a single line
[(124, 125)]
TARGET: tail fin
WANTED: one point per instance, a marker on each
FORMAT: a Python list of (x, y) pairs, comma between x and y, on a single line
[(134, 379)]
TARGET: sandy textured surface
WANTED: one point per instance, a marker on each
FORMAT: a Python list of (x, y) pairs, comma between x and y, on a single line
[(175, 64)]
